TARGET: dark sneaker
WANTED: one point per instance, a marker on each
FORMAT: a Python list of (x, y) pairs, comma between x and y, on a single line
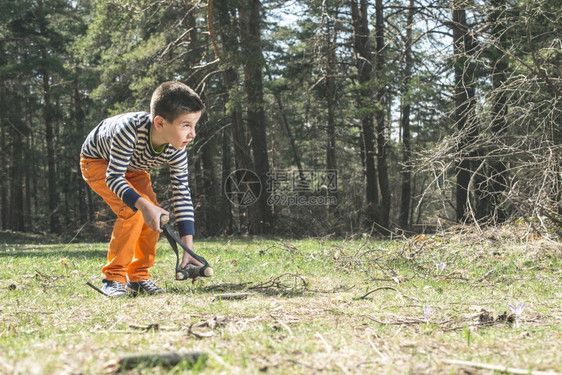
[(113, 288), (144, 286)]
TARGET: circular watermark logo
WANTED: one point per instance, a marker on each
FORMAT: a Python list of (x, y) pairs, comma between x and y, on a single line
[(243, 187)]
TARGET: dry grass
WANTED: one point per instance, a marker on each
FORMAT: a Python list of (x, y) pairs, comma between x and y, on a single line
[(305, 307)]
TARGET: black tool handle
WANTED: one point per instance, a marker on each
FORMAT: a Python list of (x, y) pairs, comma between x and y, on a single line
[(189, 271)]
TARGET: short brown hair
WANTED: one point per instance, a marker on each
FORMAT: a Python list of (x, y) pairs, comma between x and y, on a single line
[(172, 99)]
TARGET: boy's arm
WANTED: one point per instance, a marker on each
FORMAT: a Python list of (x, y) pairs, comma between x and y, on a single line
[(183, 205), (151, 213), (188, 241)]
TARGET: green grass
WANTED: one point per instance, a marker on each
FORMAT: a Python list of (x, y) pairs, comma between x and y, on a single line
[(313, 306)]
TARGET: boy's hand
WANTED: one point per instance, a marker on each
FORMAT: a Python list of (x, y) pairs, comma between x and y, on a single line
[(186, 258), (151, 213)]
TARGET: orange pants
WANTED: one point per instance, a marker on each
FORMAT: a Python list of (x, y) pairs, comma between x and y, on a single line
[(132, 248)]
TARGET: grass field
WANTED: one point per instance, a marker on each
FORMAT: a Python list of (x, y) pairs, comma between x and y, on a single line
[(413, 306)]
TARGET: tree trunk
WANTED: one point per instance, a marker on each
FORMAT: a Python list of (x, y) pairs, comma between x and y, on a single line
[(29, 171), (49, 138), (497, 172), (406, 175), (290, 135), (331, 161), (464, 106), (250, 38), (4, 180), (228, 31), (226, 170), (48, 117), (209, 187), (364, 63), (380, 96), (16, 189), (81, 205)]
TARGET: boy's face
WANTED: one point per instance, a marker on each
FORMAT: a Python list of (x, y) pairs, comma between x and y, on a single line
[(178, 133)]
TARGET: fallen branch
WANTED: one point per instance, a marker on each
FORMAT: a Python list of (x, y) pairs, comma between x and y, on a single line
[(490, 272), (49, 277), (227, 286), (380, 288), (151, 327), (96, 288), (199, 335), (398, 322), (277, 283), (385, 288), (402, 321), (510, 370), (230, 296), (168, 360), (340, 289)]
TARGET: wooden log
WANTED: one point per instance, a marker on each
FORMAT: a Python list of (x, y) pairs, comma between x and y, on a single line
[(167, 359)]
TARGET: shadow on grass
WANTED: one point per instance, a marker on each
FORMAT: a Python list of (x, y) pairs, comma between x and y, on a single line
[(284, 285), (247, 292), (9, 237), (72, 254)]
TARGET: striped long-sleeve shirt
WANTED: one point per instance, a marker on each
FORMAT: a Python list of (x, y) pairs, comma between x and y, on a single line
[(124, 142)]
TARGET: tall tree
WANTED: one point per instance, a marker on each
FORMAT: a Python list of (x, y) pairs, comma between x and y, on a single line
[(495, 179), (464, 105), (253, 62), (48, 118), (331, 159), (229, 55), (3, 179), (405, 109), (365, 93), (330, 37), (380, 98), (331, 79), (35, 28)]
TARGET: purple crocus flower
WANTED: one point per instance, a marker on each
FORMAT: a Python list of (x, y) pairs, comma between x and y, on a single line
[(517, 310), (426, 311)]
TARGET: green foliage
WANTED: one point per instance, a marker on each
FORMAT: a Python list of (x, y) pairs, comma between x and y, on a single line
[(105, 57)]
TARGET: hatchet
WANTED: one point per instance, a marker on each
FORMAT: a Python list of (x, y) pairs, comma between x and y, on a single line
[(190, 271)]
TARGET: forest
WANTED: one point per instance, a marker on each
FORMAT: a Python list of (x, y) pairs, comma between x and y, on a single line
[(332, 117)]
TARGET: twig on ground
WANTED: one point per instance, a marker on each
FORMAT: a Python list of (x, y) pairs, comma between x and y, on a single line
[(398, 322), (385, 288), (96, 288), (490, 272), (341, 367), (151, 327), (328, 347), (283, 324), (227, 286), (335, 290), (277, 283), (510, 370), (306, 365), (402, 321), (199, 335), (383, 357), (115, 324), (230, 296), (49, 277)]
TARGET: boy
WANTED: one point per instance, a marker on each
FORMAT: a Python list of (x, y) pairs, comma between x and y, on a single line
[(114, 160)]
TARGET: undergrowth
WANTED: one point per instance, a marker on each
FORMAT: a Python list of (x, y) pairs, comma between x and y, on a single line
[(435, 304)]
